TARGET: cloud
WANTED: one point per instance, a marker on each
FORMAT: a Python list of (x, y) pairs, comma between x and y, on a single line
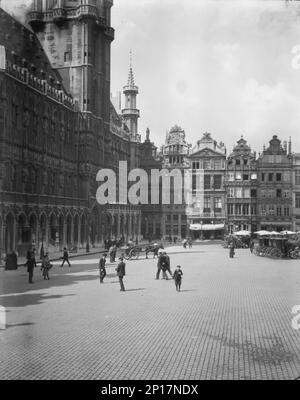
[(228, 56), (17, 8)]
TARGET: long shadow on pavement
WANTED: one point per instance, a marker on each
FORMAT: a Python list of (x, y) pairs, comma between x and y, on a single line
[(40, 284), (22, 324), (24, 300)]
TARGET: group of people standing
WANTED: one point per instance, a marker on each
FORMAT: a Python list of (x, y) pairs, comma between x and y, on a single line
[(45, 263), (163, 265), (120, 270), (187, 243)]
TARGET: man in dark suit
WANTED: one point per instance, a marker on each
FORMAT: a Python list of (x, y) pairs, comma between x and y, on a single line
[(31, 263), (102, 269), (65, 258), (121, 273)]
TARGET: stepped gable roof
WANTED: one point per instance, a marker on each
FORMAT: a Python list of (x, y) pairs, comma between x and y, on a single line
[(176, 135), (241, 149)]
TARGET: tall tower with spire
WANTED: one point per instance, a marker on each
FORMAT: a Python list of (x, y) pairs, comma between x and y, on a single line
[(77, 36), (130, 113)]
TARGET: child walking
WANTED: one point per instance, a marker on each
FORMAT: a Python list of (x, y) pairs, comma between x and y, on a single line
[(46, 266), (178, 277)]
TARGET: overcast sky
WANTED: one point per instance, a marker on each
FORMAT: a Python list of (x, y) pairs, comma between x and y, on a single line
[(219, 66)]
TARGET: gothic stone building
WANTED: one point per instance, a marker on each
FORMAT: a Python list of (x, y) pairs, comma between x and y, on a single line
[(174, 156), (151, 213), (275, 187), (241, 188), (56, 129), (296, 192), (206, 215)]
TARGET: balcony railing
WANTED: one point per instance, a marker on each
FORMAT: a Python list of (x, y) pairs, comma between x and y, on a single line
[(130, 88), (59, 14), (41, 85), (131, 111), (87, 10)]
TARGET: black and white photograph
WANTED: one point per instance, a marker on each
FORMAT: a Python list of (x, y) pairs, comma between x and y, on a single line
[(149, 193)]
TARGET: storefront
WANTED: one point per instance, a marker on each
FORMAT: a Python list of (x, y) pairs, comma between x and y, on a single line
[(207, 231)]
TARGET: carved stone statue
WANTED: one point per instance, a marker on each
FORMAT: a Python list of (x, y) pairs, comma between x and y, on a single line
[(148, 134)]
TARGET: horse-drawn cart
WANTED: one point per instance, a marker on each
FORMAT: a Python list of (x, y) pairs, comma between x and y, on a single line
[(133, 252)]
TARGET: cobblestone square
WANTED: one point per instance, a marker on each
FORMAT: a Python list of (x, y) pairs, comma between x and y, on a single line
[(232, 320)]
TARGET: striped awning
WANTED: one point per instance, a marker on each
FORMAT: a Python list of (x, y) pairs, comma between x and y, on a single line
[(206, 227)]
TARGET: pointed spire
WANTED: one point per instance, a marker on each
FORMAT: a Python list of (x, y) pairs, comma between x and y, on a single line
[(130, 76), (148, 135)]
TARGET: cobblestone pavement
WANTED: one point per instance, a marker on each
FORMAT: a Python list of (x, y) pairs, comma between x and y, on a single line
[(232, 320)]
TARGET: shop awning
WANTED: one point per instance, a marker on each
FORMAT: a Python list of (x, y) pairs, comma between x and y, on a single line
[(207, 227)]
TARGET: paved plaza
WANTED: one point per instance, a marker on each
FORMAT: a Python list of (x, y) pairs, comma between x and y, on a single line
[(232, 320)]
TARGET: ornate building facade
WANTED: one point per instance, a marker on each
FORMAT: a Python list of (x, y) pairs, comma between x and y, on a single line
[(206, 215), (241, 188), (58, 128), (151, 213), (275, 187), (175, 153), (296, 192)]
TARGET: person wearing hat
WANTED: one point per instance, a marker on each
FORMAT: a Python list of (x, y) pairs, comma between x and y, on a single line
[(159, 263), (167, 264), (178, 277), (121, 273), (102, 270), (46, 266)]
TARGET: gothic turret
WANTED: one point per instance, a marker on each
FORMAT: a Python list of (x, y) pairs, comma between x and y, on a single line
[(130, 113)]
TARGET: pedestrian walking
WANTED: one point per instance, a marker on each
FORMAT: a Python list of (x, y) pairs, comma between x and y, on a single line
[(159, 264), (46, 266), (168, 263), (184, 243), (65, 258), (190, 242), (31, 264), (251, 246), (102, 270), (231, 250), (178, 277), (112, 253), (121, 273), (29, 253)]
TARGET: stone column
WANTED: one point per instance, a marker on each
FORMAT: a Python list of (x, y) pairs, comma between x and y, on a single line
[(46, 238), (14, 235), (2, 235), (65, 233), (163, 226), (79, 234), (139, 221), (129, 225), (179, 226), (72, 231), (119, 225)]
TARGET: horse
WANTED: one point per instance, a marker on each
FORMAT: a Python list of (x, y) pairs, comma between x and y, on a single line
[(154, 248)]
